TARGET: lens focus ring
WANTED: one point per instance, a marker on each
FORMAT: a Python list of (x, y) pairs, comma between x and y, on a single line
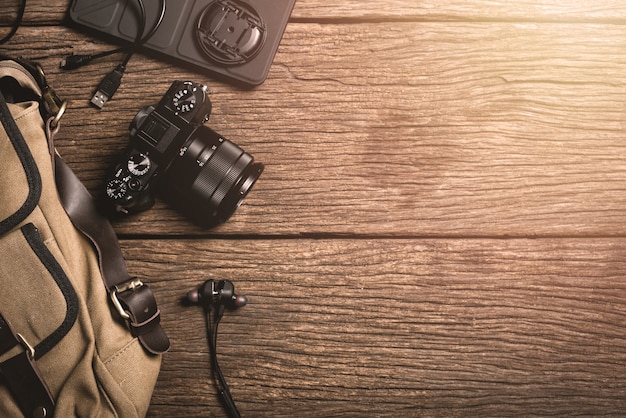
[(231, 179)]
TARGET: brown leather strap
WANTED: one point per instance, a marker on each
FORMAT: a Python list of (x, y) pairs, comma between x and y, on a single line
[(81, 208), (144, 318), (22, 376), (137, 301)]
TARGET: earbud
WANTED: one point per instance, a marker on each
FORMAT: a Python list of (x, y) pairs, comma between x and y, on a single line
[(214, 293)]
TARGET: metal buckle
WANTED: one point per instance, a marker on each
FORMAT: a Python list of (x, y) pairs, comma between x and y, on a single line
[(56, 106), (121, 288)]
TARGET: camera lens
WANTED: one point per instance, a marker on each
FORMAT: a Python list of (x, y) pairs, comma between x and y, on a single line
[(210, 177)]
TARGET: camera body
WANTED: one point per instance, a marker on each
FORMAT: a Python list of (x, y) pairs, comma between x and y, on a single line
[(205, 175)]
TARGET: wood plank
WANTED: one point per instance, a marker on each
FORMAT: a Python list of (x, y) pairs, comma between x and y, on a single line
[(515, 130), (396, 327), (46, 12), (432, 10)]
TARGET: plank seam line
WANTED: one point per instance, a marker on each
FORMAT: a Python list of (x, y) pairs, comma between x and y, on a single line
[(460, 19), (362, 237)]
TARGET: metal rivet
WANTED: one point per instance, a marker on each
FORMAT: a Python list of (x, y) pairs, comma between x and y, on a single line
[(40, 412)]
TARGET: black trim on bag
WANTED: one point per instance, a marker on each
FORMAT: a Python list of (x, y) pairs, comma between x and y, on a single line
[(30, 169), (56, 271)]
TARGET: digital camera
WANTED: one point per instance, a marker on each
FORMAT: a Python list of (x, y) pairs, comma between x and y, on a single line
[(202, 173)]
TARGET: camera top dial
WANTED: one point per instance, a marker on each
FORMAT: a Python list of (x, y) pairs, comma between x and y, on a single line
[(138, 164), (116, 189), (184, 100)]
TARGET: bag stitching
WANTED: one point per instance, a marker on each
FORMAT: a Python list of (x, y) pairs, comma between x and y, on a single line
[(27, 111), (120, 352)]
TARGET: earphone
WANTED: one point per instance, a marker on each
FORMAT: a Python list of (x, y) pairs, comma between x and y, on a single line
[(221, 292), (215, 297)]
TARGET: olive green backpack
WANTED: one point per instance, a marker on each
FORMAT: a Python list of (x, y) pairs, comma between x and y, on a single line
[(78, 336)]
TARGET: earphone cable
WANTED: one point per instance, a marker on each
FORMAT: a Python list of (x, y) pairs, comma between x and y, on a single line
[(224, 392)]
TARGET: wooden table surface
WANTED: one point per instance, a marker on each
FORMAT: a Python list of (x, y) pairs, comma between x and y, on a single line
[(440, 229)]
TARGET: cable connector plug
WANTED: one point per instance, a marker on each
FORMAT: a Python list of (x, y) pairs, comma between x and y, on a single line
[(108, 86), (72, 62)]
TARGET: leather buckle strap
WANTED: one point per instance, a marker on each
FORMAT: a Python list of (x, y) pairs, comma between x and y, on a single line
[(22, 376), (135, 302)]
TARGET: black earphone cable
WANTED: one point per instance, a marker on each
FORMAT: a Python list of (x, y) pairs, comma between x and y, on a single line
[(16, 23), (212, 325)]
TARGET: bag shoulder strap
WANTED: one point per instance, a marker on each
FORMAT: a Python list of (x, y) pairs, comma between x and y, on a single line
[(133, 300)]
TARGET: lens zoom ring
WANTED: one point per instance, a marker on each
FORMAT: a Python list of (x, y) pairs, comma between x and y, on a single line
[(216, 168)]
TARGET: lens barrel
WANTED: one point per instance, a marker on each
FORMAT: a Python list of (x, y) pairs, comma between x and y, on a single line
[(210, 177)]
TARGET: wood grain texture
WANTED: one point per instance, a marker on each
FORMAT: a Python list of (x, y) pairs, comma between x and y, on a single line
[(478, 129), (396, 327), (610, 11)]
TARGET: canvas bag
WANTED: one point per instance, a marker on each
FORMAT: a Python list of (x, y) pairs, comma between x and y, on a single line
[(78, 336)]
